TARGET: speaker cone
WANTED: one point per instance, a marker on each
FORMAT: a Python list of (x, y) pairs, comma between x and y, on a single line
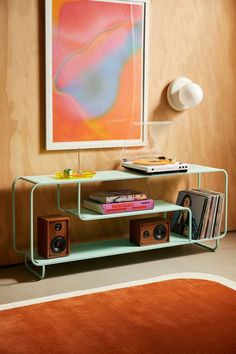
[(58, 244), (159, 232)]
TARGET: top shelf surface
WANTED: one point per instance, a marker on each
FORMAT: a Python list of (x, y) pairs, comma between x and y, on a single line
[(114, 175)]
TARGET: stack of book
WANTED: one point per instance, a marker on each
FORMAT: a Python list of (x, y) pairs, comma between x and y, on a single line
[(118, 201), (207, 212)]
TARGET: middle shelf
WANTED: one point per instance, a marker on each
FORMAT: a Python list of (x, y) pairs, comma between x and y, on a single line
[(160, 206)]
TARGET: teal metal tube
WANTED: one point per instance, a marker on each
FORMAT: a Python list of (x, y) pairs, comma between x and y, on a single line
[(32, 224), (199, 182), (79, 200), (14, 214)]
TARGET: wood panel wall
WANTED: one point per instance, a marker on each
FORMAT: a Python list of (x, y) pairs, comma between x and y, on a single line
[(192, 38)]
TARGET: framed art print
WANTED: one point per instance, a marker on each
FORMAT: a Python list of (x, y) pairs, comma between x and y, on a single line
[(96, 73)]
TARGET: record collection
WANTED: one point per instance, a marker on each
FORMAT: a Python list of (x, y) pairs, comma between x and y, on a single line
[(207, 213)]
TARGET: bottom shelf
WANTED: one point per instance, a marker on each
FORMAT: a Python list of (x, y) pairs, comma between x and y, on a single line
[(105, 248)]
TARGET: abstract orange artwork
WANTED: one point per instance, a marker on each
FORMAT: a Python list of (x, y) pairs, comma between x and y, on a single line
[(95, 73)]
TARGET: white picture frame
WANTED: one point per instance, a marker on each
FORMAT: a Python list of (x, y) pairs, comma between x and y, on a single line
[(74, 105)]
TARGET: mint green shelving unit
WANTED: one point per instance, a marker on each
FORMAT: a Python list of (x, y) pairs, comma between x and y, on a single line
[(81, 251)]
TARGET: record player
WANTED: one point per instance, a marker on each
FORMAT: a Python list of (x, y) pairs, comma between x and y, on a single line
[(150, 159), (156, 165)]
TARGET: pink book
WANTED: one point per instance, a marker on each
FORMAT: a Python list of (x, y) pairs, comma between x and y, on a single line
[(111, 208)]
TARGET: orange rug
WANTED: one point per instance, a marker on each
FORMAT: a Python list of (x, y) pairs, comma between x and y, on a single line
[(183, 316)]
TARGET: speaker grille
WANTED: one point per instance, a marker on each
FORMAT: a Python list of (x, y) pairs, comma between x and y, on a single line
[(160, 232), (58, 244)]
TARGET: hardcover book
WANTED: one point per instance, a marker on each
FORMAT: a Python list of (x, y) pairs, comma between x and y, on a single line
[(111, 208), (180, 220), (116, 196)]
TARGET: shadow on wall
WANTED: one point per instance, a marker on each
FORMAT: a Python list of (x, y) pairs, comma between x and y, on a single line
[(163, 111), (6, 244)]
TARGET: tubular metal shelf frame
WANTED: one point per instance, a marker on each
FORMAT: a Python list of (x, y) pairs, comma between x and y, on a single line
[(33, 261)]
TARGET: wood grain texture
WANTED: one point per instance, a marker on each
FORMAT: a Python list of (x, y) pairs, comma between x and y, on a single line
[(195, 38)]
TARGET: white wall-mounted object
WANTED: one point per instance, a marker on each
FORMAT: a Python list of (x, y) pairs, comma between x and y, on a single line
[(182, 93)]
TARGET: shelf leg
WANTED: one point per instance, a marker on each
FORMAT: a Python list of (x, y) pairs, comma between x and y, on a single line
[(39, 275), (213, 249)]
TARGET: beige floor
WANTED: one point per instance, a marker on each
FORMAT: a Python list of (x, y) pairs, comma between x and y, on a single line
[(16, 283)]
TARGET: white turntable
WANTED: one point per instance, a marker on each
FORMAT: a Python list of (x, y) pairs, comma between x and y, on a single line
[(157, 165)]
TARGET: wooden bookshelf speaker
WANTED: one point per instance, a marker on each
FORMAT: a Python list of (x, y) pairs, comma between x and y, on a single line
[(53, 236), (149, 231)]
